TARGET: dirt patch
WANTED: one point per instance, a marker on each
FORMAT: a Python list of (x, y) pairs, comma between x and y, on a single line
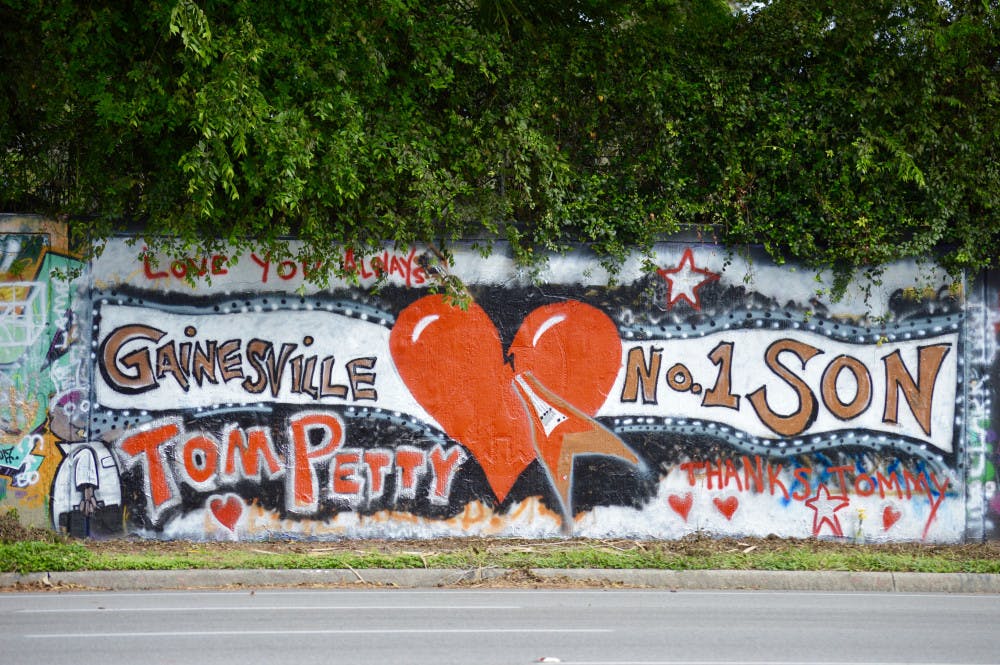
[(526, 579), (690, 546), (12, 531)]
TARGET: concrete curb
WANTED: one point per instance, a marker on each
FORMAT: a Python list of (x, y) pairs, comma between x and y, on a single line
[(121, 580)]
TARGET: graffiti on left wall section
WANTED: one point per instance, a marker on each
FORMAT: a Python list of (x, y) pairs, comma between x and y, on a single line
[(674, 402), (45, 392)]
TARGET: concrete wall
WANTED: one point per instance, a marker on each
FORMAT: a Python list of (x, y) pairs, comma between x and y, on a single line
[(708, 394)]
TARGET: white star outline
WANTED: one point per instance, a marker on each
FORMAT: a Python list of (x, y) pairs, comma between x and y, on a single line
[(685, 280)]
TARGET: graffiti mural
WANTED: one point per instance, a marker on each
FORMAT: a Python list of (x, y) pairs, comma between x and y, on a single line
[(704, 393), (982, 496), (43, 332), (709, 394)]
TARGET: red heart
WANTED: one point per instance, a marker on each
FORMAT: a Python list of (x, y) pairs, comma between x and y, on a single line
[(573, 348), (727, 506), (681, 503), (453, 363), (890, 515), (574, 351), (227, 511)]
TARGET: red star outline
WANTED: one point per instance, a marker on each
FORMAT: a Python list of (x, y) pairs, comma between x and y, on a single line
[(686, 259), (829, 513)]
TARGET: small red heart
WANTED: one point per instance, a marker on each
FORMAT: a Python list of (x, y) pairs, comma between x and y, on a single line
[(681, 503), (890, 515), (227, 510), (727, 506)]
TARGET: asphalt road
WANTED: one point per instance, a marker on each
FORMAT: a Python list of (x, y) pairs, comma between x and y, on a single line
[(501, 627)]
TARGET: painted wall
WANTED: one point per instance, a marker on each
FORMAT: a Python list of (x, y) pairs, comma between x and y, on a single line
[(44, 364), (980, 437), (708, 394)]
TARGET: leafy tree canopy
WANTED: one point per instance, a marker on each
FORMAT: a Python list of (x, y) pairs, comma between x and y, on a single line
[(841, 133)]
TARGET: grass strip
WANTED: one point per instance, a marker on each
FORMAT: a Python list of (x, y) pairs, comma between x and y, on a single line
[(39, 556)]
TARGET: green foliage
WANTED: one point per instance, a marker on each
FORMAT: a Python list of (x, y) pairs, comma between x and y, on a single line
[(874, 132), (841, 134), (33, 549), (34, 556)]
